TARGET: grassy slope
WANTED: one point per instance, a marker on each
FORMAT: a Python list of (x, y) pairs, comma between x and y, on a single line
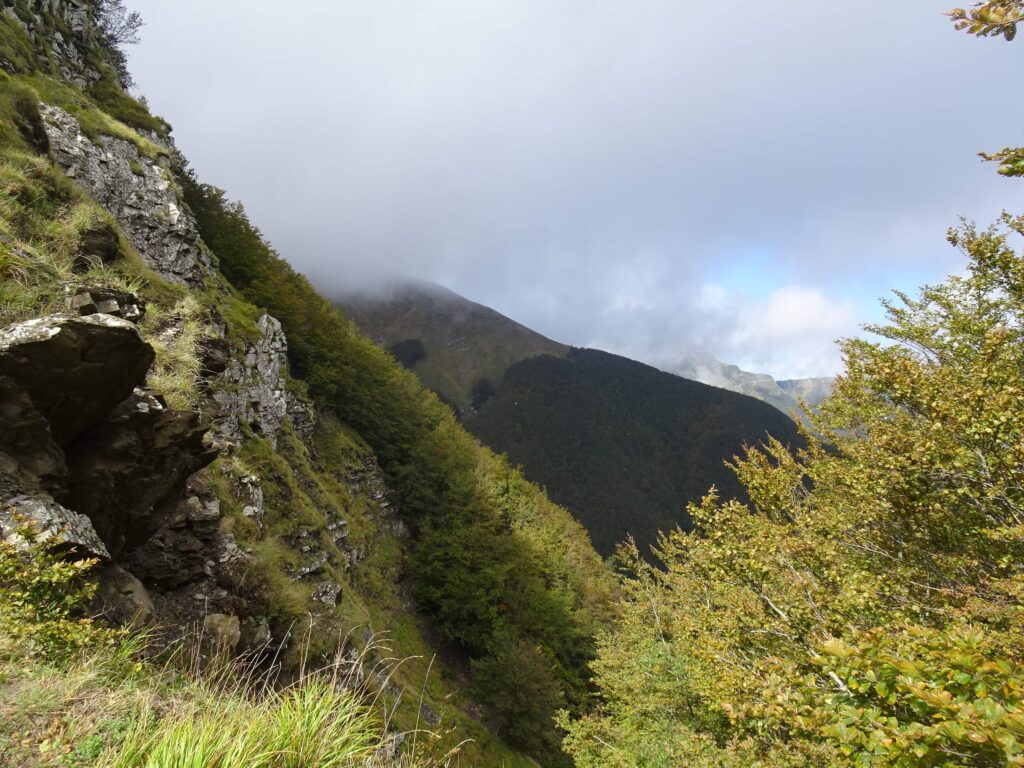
[(42, 216)]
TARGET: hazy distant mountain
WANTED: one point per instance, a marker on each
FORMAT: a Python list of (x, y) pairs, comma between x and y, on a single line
[(785, 394), (623, 445), (458, 348)]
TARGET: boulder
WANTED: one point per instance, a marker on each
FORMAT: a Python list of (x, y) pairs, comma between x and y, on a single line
[(222, 632), (98, 245), (86, 301), (75, 369), (122, 599), (73, 532), (128, 472)]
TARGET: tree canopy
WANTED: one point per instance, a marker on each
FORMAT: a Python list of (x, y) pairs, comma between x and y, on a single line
[(864, 608)]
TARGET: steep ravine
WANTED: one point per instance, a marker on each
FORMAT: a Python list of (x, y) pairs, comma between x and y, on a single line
[(151, 420)]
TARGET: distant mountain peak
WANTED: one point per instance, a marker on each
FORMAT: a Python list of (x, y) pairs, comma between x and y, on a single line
[(458, 348)]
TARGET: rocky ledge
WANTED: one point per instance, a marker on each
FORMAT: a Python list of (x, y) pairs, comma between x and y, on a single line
[(88, 456)]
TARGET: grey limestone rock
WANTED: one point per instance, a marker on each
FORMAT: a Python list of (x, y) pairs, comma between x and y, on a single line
[(68, 52), (50, 520), (137, 190), (327, 593), (252, 389), (91, 300)]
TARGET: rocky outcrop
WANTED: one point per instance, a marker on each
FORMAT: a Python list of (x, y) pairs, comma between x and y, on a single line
[(68, 45), (137, 190), (186, 549), (252, 389), (75, 369), (129, 470), (86, 458), (48, 520)]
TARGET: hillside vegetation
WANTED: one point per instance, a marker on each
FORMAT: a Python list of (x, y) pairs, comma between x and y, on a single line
[(507, 576), (492, 576), (457, 348), (623, 445), (864, 608)]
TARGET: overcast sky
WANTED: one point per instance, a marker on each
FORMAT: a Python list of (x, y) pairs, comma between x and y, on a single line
[(639, 176)]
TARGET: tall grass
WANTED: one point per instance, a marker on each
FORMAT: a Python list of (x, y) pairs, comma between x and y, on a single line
[(176, 334), (315, 723), (235, 714)]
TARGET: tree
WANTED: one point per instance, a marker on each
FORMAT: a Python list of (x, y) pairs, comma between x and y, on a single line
[(865, 608), (117, 25), (988, 19)]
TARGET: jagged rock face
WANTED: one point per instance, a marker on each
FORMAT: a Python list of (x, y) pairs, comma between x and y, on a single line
[(128, 471), (86, 460), (75, 369), (252, 392), (50, 520), (26, 445), (180, 552), (137, 191), (68, 51)]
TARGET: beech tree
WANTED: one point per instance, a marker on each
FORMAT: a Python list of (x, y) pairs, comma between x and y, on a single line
[(865, 608), (989, 19)]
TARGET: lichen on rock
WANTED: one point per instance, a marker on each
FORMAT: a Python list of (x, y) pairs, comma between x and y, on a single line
[(137, 190), (252, 391)]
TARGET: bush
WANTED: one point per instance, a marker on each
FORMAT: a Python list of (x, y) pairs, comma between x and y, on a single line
[(42, 601)]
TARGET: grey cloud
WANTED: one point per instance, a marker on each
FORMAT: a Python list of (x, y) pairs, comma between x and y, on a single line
[(591, 167)]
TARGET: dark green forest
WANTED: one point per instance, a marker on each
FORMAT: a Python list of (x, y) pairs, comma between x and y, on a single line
[(621, 444)]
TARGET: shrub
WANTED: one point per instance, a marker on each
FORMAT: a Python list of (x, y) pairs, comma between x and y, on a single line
[(42, 601)]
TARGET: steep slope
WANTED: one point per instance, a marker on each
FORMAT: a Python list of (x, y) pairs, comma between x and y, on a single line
[(621, 444), (280, 485), (456, 347)]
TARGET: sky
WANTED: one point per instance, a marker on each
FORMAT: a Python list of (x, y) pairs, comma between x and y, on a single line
[(644, 177)]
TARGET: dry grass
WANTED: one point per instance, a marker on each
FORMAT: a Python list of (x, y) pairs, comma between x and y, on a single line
[(113, 709), (176, 334)]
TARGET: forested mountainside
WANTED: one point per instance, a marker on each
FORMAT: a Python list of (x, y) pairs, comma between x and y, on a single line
[(215, 494), (196, 443), (461, 349), (457, 348), (624, 446)]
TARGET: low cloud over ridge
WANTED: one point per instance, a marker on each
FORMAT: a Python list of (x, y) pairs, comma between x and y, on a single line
[(596, 170)]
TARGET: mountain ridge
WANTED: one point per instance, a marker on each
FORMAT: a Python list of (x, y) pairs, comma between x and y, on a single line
[(624, 445), (414, 319)]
